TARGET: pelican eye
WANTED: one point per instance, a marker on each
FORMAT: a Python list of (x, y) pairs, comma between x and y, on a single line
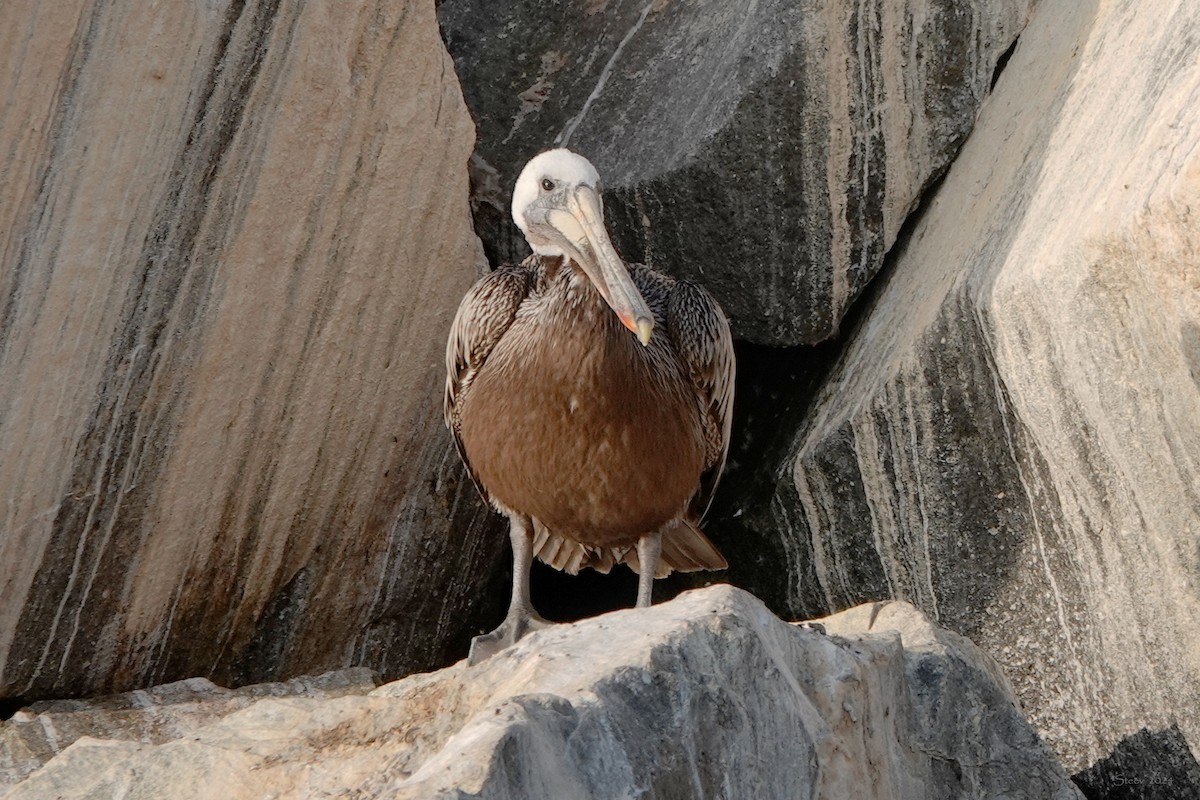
[(547, 185)]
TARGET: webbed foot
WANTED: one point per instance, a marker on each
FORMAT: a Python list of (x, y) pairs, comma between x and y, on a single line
[(511, 631)]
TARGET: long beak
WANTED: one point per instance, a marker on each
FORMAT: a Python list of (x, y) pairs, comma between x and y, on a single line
[(582, 223)]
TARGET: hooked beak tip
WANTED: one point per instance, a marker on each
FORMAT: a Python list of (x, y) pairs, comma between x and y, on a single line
[(641, 326), (644, 328)]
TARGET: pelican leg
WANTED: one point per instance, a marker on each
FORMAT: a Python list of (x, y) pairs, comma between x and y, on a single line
[(521, 617), (649, 547)]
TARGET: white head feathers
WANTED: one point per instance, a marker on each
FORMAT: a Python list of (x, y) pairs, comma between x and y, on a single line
[(549, 173)]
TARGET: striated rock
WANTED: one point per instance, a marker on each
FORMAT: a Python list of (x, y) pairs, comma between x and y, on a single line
[(1012, 438), (707, 696), (770, 151), (234, 236)]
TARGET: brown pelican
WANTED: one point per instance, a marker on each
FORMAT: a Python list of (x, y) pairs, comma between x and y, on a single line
[(590, 399)]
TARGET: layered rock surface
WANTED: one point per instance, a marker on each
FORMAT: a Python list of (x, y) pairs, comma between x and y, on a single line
[(1010, 440), (769, 151), (707, 696), (234, 238)]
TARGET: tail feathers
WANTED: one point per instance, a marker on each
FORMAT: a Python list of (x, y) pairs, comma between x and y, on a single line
[(567, 555), (684, 548), (687, 549)]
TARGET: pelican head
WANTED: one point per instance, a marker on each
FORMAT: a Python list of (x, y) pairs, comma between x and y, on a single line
[(557, 205)]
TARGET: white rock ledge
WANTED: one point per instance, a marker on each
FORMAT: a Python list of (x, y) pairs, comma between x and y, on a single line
[(707, 696)]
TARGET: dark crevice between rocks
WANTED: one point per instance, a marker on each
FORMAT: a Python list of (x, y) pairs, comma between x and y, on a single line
[(9, 706), (502, 241), (776, 387), (1147, 765), (1002, 62)]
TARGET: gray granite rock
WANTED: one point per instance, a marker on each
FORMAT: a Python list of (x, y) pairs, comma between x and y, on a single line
[(232, 240), (1011, 440), (708, 696), (771, 150)]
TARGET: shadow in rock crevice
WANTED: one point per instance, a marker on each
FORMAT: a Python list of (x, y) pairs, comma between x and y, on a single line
[(1147, 765), (11, 705)]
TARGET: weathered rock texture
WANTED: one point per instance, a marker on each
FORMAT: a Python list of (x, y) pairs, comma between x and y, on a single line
[(234, 235), (708, 696), (771, 151), (37, 734), (1012, 439)]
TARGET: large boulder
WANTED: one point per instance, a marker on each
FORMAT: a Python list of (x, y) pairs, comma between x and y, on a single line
[(707, 696), (770, 151), (234, 236), (1011, 440)]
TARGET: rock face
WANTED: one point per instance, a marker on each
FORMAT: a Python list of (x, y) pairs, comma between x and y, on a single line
[(234, 238), (707, 696), (1010, 441), (770, 152)]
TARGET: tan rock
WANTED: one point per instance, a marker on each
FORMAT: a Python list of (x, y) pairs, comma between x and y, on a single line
[(234, 238), (35, 735)]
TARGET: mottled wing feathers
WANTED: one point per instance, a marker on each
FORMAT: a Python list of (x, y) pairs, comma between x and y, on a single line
[(700, 333), (700, 338), (484, 315)]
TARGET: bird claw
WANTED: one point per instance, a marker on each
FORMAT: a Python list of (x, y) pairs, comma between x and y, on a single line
[(511, 631)]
